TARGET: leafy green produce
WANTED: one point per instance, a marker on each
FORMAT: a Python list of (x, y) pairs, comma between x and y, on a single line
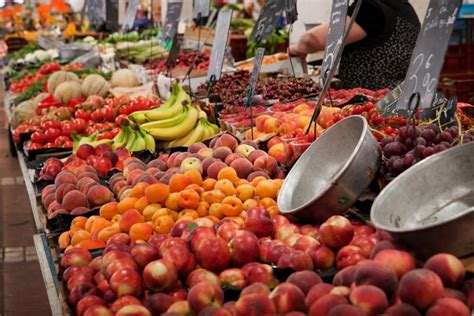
[(30, 48), (278, 37)]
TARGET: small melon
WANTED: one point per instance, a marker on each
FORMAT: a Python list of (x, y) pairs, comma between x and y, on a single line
[(124, 78)]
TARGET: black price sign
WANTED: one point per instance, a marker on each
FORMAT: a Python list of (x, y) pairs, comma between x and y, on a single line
[(130, 15), (174, 51), (335, 38), (201, 9), (111, 10), (173, 13), (291, 11), (254, 77), (96, 11), (220, 42), (428, 56), (267, 21)]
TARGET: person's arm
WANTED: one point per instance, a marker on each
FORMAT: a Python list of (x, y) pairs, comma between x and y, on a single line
[(315, 39)]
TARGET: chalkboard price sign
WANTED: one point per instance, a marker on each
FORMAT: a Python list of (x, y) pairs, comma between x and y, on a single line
[(335, 38), (173, 13), (174, 51), (201, 9), (220, 42), (257, 66), (291, 11), (267, 21), (428, 56), (111, 9), (96, 11), (130, 15)]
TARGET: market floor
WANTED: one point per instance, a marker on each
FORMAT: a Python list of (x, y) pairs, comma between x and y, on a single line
[(22, 290)]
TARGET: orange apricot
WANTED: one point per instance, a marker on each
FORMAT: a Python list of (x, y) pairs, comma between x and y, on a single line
[(273, 211), (213, 196), (160, 212), (228, 173), (129, 218), (199, 190), (163, 224), (150, 210), (141, 231), (139, 190), (89, 222), (245, 192), (157, 192), (172, 201), (257, 180), (116, 218), (188, 199), (64, 240), (215, 210), (250, 203), (79, 236), (203, 209), (178, 182), (267, 188), (225, 186), (214, 219), (109, 210), (108, 232), (90, 244), (267, 202), (126, 204), (231, 206), (189, 212), (79, 222), (195, 176), (209, 184), (141, 203), (98, 225)]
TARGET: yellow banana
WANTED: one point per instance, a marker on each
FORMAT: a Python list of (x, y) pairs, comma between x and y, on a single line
[(131, 139), (141, 116), (166, 123), (150, 143), (138, 117), (139, 143), (160, 113), (177, 131), (193, 137)]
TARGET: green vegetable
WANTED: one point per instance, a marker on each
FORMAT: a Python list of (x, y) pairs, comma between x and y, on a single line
[(30, 48), (23, 73), (278, 37)]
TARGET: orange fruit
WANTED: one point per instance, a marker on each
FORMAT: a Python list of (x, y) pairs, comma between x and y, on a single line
[(140, 231), (126, 204), (267, 188), (79, 222), (157, 192), (273, 211), (90, 221), (179, 182), (213, 196), (150, 210), (215, 210), (231, 206), (91, 244), (228, 173), (250, 203), (188, 199), (163, 224), (245, 192), (257, 180), (195, 176), (139, 190), (64, 240), (267, 202), (109, 210), (203, 209), (160, 212), (79, 236), (225, 186), (172, 201), (108, 232), (188, 212), (209, 184)]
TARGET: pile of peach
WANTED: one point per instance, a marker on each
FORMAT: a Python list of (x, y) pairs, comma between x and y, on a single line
[(75, 192), (183, 273)]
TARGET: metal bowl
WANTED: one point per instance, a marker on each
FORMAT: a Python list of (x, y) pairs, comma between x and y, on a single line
[(332, 173), (430, 207)]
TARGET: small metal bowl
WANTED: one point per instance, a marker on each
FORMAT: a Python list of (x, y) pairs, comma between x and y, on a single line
[(430, 207), (332, 173)]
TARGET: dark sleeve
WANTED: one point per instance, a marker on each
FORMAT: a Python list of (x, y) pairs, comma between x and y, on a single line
[(371, 17)]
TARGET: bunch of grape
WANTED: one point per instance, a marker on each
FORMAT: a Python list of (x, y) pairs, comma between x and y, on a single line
[(414, 144)]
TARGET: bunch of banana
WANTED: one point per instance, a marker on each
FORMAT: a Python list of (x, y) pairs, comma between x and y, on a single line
[(203, 131), (171, 108), (134, 140)]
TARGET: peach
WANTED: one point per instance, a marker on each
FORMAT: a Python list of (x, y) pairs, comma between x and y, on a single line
[(119, 186), (179, 308), (75, 257), (345, 277), (287, 297), (160, 275), (266, 164), (245, 248), (203, 295), (255, 288), (336, 232), (81, 210), (180, 158), (129, 218), (221, 153), (370, 299), (158, 164), (382, 245), (316, 292), (88, 301), (451, 293), (195, 148), (82, 290), (400, 261), (98, 310), (99, 195), (206, 152), (377, 274), (420, 288), (449, 268), (133, 310), (200, 275), (322, 256), (226, 186), (232, 157), (146, 178), (305, 280), (228, 141), (124, 278), (133, 175), (216, 311), (158, 303), (254, 304), (232, 278), (448, 306), (257, 175), (346, 310), (74, 199), (61, 191), (179, 182), (243, 167), (213, 254), (325, 303), (286, 230), (402, 309), (65, 177), (124, 301)]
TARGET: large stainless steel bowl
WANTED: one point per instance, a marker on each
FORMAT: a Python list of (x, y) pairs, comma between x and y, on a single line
[(333, 172), (430, 207)]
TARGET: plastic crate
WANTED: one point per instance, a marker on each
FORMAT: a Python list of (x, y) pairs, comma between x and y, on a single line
[(460, 85)]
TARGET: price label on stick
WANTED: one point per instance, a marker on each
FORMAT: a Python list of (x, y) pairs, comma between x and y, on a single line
[(220, 42), (96, 11), (254, 77), (267, 21), (173, 13), (130, 15), (201, 9), (335, 38), (428, 56), (174, 52), (291, 11)]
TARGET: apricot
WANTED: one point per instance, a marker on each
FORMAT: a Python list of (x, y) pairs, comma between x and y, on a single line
[(79, 236), (64, 240), (157, 193), (231, 206), (196, 188), (203, 209), (228, 173), (160, 212), (109, 210), (267, 189), (195, 176), (249, 204), (163, 224), (79, 222), (140, 231), (215, 210), (126, 204), (188, 199), (172, 201), (225, 186), (267, 202), (179, 182), (209, 184), (99, 224), (245, 192), (89, 222), (150, 210), (108, 232), (91, 244), (256, 180), (213, 196), (129, 218), (140, 204)]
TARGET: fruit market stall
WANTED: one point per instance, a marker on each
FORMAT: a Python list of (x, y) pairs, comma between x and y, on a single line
[(234, 198)]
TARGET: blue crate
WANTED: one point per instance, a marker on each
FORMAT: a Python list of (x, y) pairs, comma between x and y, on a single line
[(467, 9)]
